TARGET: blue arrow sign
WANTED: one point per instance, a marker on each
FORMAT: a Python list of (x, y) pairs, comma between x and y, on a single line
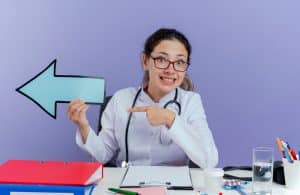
[(47, 89)]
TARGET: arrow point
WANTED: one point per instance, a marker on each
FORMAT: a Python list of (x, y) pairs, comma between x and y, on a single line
[(34, 92)]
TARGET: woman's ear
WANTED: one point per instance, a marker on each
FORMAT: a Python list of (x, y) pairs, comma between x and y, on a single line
[(145, 61)]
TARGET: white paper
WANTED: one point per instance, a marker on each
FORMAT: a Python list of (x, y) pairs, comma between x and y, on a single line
[(157, 175), (97, 175)]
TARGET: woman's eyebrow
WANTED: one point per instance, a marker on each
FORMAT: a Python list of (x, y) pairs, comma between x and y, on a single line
[(166, 54), (180, 55), (163, 53)]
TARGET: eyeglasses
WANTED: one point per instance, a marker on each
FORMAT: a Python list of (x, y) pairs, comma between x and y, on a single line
[(163, 63)]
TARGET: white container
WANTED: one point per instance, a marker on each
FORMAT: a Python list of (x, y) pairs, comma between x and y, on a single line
[(292, 174), (213, 179)]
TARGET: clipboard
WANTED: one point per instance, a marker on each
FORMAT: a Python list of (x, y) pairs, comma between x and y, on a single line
[(172, 177)]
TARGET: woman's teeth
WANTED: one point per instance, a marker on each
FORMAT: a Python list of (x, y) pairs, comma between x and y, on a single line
[(167, 79)]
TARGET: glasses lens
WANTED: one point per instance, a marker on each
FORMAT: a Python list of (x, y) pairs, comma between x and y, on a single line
[(180, 65), (161, 62)]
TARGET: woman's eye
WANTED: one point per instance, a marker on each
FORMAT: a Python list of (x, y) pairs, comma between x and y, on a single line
[(161, 59), (180, 63)]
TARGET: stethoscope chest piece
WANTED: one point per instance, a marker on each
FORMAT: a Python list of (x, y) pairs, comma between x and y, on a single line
[(124, 164)]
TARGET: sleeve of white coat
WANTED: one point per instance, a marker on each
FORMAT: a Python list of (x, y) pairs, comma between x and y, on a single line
[(194, 136), (103, 146)]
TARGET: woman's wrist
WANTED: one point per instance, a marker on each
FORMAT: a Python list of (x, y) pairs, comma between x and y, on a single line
[(84, 131), (170, 117)]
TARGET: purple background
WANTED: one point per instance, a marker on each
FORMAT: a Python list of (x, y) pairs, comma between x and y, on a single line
[(245, 65)]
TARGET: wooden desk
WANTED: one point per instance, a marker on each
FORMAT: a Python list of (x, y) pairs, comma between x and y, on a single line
[(113, 177)]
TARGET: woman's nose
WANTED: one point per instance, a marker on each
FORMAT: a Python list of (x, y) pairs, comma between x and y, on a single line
[(170, 68)]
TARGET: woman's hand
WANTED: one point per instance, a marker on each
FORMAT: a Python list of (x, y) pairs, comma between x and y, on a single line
[(77, 113), (156, 115)]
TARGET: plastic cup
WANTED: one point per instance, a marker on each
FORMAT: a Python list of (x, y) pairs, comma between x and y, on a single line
[(262, 171)]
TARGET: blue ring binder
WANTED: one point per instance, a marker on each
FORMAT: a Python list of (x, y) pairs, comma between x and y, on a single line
[(6, 189)]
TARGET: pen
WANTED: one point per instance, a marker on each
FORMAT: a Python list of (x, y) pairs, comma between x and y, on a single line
[(287, 145), (279, 144), (287, 156), (125, 192), (293, 153), (287, 152)]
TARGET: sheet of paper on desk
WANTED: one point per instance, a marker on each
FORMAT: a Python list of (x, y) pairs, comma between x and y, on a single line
[(171, 176), (149, 190)]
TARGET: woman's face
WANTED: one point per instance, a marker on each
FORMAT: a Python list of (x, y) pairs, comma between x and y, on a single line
[(162, 81)]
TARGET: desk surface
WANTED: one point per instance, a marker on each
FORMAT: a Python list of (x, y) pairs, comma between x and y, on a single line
[(113, 177)]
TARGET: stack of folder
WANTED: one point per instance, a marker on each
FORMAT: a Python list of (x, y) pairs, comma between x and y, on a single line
[(29, 176)]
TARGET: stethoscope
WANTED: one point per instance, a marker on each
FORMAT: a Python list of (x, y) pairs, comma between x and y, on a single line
[(173, 101)]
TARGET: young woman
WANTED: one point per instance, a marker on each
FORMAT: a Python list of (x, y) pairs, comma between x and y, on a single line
[(160, 123)]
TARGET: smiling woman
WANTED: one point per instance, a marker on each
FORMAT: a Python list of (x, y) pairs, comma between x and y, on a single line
[(160, 123), (167, 37)]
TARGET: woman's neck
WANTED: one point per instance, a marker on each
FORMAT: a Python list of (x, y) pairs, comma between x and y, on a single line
[(154, 94)]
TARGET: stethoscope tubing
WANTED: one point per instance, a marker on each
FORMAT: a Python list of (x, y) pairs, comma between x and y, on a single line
[(174, 101)]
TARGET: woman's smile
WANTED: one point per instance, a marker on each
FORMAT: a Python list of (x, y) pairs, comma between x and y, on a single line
[(167, 80)]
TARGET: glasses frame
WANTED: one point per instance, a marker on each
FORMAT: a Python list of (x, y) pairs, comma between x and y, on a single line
[(170, 62)]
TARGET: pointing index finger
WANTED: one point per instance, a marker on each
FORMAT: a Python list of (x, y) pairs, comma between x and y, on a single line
[(138, 109)]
